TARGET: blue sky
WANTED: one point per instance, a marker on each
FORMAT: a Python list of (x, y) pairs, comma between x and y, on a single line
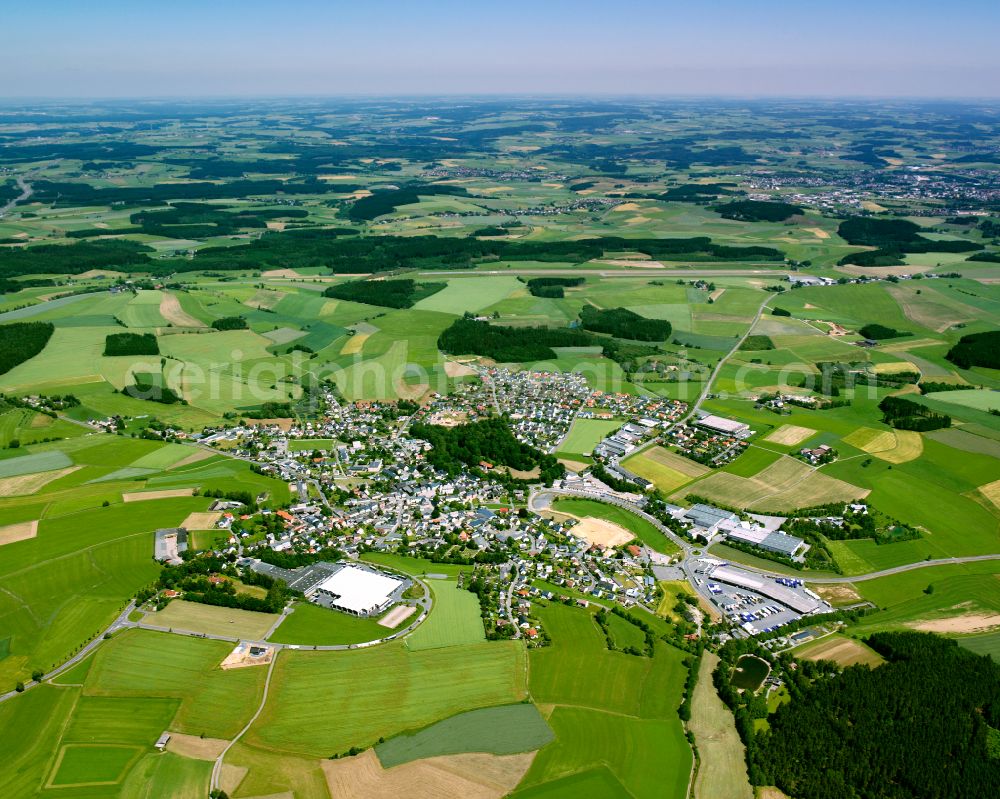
[(145, 48)]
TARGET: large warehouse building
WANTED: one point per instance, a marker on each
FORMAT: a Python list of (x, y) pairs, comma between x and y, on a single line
[(358, 591)]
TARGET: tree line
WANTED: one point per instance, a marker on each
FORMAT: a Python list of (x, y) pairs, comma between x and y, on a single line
[(22, 341), (403, 293)]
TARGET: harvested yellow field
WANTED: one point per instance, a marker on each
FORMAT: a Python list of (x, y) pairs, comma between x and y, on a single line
[(837, 593), (716, 294), (784, 485), (18, 532), (666, 469), (456, 369), (355, 344), (965, 623), (841, 650), (471, 776), (194, 457), (892, 367), (871, 440), (868, 205), (818, 232), (201, 520), (195, 746), (25, 484), (280, 273), (167, 493), (789, 435), (897, 446), (992, 492), (627, 207), (723, 771), (170, 309)]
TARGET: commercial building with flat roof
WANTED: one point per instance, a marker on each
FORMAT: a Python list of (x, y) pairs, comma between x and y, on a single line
[(360, 592), (728, 426), (782, 543)]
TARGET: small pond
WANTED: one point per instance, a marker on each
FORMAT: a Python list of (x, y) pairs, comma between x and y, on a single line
[(750, 672)]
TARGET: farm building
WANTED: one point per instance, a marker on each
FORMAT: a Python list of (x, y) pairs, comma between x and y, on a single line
[(360, 592), (168, 543), (718, 424)]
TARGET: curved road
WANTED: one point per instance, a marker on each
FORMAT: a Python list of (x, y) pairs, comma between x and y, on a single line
[(26, 192)]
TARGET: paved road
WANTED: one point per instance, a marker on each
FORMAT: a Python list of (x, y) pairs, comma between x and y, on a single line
[(26, 192), (895, 570), (119, 623), (217, 767), (718, 367)]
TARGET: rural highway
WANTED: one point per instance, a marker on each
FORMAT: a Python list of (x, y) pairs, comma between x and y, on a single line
[(26, 192), (718, 367), (908, 567)]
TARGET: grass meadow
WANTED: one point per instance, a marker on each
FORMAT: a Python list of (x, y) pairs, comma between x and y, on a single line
[(614, 715)]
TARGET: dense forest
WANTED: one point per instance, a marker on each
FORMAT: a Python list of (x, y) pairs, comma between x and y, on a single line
[(402, 293), (878, 332), (131, 344), (75, 259), (387, 201), (926, 724), (757, 211), (904, 414), (487, 441), (21, 341), (976, 349), (508, 344), (230, 323), (892, 238), (553, 287), (623, 323)]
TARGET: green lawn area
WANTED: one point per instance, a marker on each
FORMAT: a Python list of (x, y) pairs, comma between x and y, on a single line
[(415, 566), (504, 730), (585, 434), (309, 444), (984, 644), (642, 529), (80, 764), (454, 619), (312, 625)]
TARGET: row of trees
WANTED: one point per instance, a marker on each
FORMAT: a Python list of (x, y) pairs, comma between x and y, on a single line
[(553, 287), (905, 414)]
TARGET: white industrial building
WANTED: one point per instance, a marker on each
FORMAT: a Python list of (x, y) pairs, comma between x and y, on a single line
[(718, 424), (360, 592)]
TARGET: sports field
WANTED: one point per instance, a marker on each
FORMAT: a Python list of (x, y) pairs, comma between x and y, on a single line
[(642, 529), (454, 619), (668, 470)]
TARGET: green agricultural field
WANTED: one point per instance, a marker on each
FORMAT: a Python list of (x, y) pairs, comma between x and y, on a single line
[(212, 702), (642, 529), (227, 622), (585, 434), (92, 764), (316, 626), (366, 685), (471, 294), (666, 469), (504, 730), (612, 710), (309, 444), (454, 619)]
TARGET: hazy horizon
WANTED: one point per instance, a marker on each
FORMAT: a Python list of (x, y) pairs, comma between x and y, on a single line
[(234, 50)]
